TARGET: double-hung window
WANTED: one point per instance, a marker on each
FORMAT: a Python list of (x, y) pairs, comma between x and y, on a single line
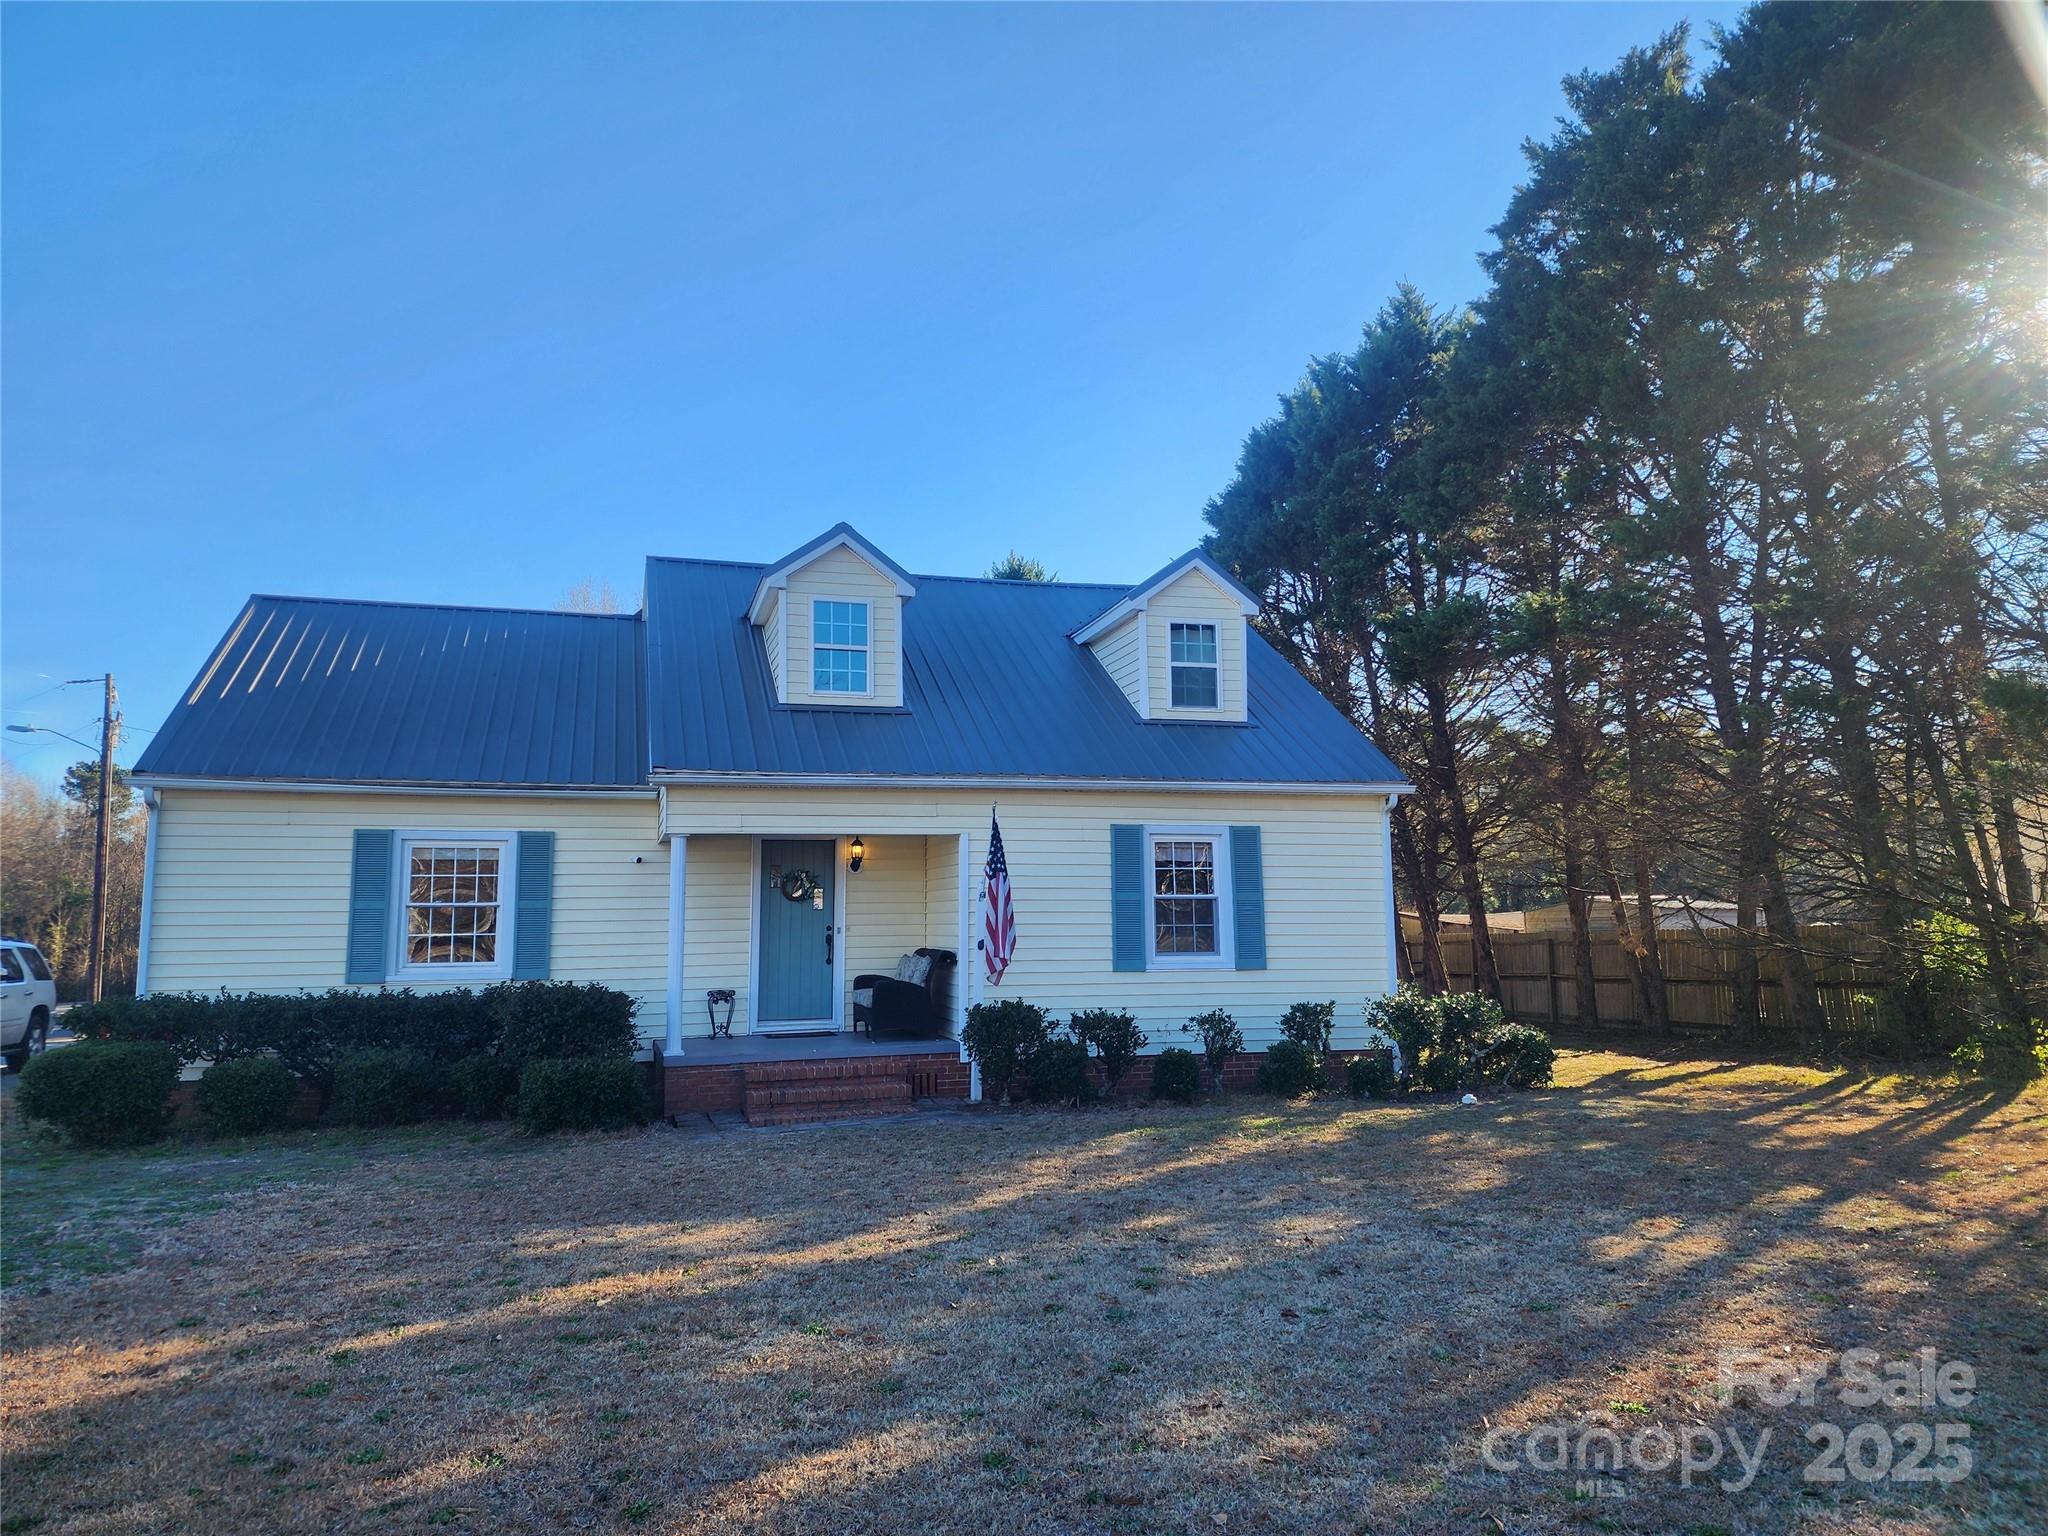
[(1190, 896), (455, 908), (839, 646), (1191, 654)]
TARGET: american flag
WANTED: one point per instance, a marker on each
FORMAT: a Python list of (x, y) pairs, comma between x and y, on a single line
[(998, 916)]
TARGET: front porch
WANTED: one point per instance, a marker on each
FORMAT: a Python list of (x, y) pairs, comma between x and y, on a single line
[(769, 933), (778, 1079)]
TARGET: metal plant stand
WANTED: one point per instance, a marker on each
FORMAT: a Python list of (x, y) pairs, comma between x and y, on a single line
[(717, 995)]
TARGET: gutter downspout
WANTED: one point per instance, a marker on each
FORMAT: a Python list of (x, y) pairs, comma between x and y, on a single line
[(152, 811), (1393, 914)]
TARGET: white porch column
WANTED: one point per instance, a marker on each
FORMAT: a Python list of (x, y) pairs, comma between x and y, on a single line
[(678, 871), (967, 976), (1393, 906)]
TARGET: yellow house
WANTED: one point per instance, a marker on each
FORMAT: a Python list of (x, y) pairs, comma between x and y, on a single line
[(763, 806)]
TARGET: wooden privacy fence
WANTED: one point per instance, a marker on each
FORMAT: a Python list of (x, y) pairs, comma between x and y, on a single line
[(1538, 986)]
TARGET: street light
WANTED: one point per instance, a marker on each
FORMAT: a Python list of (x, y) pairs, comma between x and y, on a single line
[(44, 730)]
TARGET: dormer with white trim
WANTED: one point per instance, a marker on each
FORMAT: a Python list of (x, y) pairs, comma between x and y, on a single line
[(830, 615), (1175, 643)]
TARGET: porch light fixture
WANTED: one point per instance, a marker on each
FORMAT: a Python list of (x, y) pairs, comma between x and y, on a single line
[(855, 852)]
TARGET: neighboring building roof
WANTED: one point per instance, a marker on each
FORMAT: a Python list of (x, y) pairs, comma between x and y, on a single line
[(1131, 599), (994, 687), (323, 690), (775, 578)]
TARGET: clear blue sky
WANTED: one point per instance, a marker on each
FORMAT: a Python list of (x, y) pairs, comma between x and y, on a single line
[(469, 304)]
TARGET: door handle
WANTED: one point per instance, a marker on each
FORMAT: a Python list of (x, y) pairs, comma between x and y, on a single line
[(828, 943)]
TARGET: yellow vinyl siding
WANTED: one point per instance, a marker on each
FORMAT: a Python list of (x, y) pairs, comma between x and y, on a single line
[(1192, 598), (718, 921), (842, 575), (1118, 651), (1324, 863), (886, 913), (252, 888), (771, 638), (942, 914)]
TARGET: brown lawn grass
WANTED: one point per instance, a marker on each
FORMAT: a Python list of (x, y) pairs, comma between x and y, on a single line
[(1133, 1320)]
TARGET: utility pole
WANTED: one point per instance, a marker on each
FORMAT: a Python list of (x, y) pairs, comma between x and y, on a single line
[(96, 956)]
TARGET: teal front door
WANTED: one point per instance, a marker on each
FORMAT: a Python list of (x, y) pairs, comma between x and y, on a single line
[(796, 934)]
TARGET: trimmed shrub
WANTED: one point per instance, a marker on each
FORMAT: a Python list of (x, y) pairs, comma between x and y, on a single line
[(1516, 1056), (1115, 1039), (1176, 1075), (1058, 1072), (103, 1093), (1410, 1020), (1001, 1038), (246, 1096), (1371, 1076), (310, 1031), (1468, 1021), (1221, 1040), (555, 1020), (483, 1086), (383, 1086), (581, 1093), (1290, 1069), (1309, 1025)]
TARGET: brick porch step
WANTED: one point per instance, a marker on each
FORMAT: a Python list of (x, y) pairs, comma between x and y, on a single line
[(832, 1069)]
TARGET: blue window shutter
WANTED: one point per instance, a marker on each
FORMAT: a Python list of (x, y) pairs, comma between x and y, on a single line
[(536, 900), (369, 906), (1248, 897), (1127, 898)]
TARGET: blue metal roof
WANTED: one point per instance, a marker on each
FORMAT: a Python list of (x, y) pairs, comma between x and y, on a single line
[(993, 688), (330, 691), (326, 690)]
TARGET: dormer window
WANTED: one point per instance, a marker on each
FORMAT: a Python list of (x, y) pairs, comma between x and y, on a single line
[(1191, 651), (1176, 644), (839, 646), (830, 618)]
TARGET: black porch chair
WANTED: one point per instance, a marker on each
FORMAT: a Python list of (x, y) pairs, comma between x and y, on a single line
[(905, 1005)]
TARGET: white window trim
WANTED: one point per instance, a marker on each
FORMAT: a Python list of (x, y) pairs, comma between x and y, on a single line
[(868, 650), (450, 972), (1225, 958), (1216, 666)]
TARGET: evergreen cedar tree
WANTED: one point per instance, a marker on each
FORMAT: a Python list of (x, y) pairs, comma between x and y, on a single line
[(1709, 550)]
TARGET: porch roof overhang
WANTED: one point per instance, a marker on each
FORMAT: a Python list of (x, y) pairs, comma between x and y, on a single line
[(679, 778)]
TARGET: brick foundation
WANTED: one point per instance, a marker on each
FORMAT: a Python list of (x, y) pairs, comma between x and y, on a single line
[(719, 1086), (1239, 1072)]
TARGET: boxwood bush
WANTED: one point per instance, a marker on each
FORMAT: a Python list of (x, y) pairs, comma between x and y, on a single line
[(1176, 1075), (1309, 1025), (483, 1086), (581, 1093), (1221, 1039), (246, 1096), (103, 1093), (1409, 1019), (1058, 1072), (1516, 1056), (381, 1085), (1001, 1038), (310, 1031), (551, 1020), (1371, 1076), (1461, 1040), (1114, 1037), (1290, 1069)]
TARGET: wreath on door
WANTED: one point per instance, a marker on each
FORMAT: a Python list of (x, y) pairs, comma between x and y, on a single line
[(797, 885)]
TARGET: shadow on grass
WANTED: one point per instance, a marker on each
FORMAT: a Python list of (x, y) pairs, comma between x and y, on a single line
[(1302, 1316)]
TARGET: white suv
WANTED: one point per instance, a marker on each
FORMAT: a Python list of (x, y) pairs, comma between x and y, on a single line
[(28, 1001)]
